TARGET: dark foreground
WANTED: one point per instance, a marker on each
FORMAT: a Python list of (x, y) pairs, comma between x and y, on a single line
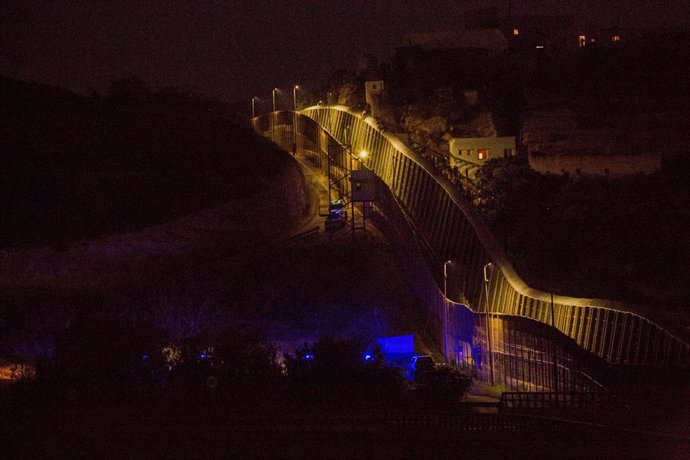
[(210, 426)]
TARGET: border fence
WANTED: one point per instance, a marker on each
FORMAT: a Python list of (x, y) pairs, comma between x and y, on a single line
[(503, 330)]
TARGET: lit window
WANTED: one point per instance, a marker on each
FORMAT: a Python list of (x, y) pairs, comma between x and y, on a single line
[(582, 40), (540, 47), (615, 38), (592, 40), (483, 154), (516, 31)]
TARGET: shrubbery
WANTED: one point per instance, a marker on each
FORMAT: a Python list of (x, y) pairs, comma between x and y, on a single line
[(98, 359), (342, 370)]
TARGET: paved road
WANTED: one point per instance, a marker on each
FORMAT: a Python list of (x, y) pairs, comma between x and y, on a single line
[(317, 188)]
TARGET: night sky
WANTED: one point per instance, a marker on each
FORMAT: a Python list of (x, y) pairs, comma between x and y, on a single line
[(239, 49)]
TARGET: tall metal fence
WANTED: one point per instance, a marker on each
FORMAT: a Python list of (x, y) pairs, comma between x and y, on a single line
[(503, 327)]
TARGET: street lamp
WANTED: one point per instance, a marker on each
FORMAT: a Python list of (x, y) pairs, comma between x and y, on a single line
[(273, 117), (294, 97), (445, 310), (253, 107), (488, 322)]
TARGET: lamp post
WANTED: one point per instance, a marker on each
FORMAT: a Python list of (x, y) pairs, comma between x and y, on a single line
[(254, 107), (445, 310), (488, 323), (294, 97), (273, 117), (553, 346)]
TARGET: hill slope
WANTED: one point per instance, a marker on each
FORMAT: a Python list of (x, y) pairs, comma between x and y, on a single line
[(76, 167)]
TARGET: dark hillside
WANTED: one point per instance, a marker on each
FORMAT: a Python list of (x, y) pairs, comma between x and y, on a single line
[(75, 167), (623, 238)]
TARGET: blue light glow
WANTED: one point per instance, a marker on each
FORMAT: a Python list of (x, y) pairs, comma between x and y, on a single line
[(368, 357), (309, 357), (144, 357), (203, 356)]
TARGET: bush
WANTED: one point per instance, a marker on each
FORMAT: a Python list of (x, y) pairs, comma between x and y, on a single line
[(443, 386), (342, 370)]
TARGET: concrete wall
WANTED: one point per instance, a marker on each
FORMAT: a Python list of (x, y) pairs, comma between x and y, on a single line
[(603, 165)]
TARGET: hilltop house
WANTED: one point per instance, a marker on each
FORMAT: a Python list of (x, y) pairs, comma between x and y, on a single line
[(478, 150)]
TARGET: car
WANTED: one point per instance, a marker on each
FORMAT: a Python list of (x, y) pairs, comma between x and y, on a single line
[(420, 366), (336, 219), (336, 205)]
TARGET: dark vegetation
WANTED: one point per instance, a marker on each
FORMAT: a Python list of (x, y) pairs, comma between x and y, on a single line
[(337, 291), (100, 360), (76, 167), (108, 375), (624, 238)]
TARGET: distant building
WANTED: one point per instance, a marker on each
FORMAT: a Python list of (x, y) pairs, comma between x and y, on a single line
[(554, 33), (528, 32), (478, 150), (642, 37), (374, 96)]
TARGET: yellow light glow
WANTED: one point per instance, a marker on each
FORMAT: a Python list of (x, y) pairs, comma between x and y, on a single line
[(363, 154), (516, 31), (582, 40), (615, 38)]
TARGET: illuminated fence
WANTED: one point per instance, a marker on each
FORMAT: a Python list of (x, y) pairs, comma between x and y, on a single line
[(448, 228)]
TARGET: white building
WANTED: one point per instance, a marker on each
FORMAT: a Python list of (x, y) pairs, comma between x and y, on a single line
[(478, 150)]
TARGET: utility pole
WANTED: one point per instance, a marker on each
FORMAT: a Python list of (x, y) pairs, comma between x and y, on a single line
[(446, 308), (488, 323), (553, 345)]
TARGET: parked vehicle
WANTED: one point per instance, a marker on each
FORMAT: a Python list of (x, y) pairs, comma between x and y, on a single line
[(420, 365), (337, 215)]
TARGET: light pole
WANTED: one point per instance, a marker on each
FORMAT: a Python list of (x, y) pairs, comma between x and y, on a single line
[(294, 119), (253, 107), (294, 97), (273, 117), (488, 323), (553, 346), (445, 310)]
